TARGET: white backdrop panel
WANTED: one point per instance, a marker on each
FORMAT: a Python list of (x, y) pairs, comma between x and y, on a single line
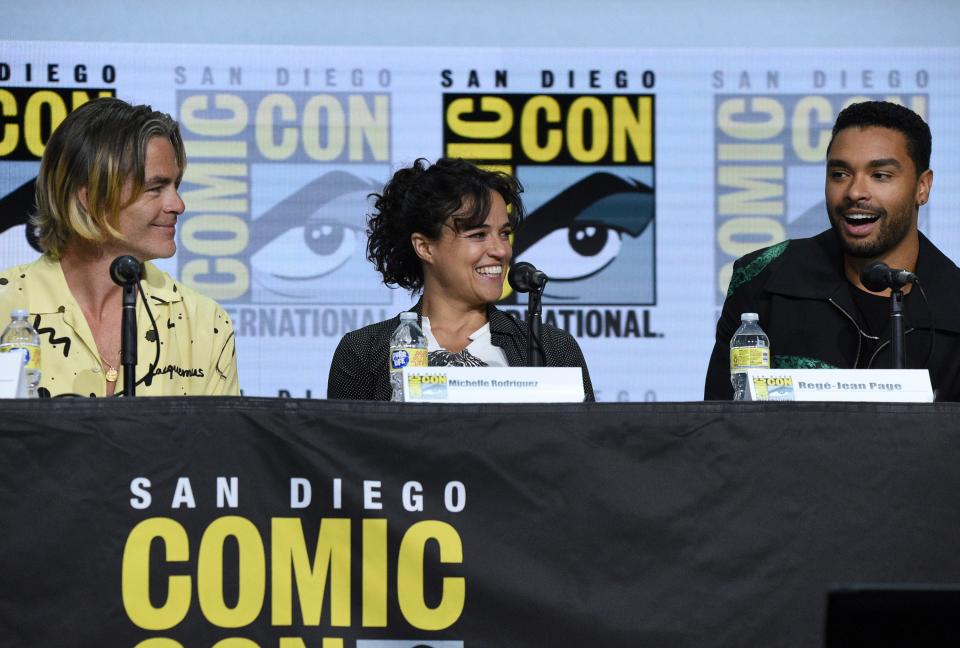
[(646, 172)]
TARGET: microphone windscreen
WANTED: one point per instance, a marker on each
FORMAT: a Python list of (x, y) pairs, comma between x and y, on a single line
[(520, 276), (125, 270), (876, 276)]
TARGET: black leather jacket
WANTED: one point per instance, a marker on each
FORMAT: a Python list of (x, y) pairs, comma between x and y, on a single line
[(359, 368), (806, 307)]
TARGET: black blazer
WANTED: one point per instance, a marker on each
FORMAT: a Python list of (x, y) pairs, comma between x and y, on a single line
[(359, 370)]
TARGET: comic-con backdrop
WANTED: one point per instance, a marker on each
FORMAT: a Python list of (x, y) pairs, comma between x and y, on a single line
[(646, 173)]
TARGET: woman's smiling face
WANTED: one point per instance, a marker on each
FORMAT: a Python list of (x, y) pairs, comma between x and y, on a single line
[(469, 266)]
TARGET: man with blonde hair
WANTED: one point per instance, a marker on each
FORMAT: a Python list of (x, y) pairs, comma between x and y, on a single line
[(108, 186)]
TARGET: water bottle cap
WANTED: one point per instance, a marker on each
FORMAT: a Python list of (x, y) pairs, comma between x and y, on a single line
[(19, 313), (406, 316), (749, 317)]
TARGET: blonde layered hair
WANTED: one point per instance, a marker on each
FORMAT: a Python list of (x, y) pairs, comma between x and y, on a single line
[(99, 151)]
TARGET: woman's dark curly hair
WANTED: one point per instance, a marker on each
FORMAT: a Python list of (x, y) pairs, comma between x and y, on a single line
[(421, 199)]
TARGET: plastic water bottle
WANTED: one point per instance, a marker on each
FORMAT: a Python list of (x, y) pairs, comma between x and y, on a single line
[(408, 348), (749, 349), (20, 335)]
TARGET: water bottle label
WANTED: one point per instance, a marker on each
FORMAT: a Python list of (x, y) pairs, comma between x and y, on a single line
[(407, 357), (399, 358), (749, 357), (419, 358), (32, 355)]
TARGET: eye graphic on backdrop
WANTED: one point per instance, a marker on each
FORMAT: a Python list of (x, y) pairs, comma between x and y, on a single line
[(587, 237), (309, 252), (575, 252), (305, 244), (15, 210)]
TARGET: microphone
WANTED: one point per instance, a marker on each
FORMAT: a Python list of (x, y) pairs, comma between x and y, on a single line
[(524, 277), (125, 270), (878, 276)]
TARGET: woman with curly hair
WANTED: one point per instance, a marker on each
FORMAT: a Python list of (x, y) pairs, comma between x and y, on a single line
[(444, 231)]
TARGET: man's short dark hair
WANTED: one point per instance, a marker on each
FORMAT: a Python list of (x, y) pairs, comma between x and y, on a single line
[(894, 116)]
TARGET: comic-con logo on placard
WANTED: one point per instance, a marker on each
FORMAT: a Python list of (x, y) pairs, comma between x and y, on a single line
[(277, 189), (770, 167), (28, 116), (586, 162)]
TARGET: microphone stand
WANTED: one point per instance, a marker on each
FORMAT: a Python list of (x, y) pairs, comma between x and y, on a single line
[(128, 339), (534, 348), (896, 329)]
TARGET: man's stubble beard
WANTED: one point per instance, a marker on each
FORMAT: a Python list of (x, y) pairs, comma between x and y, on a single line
[(891, 234)]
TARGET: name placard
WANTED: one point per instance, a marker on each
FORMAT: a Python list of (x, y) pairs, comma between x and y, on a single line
[(13, 384), (493, 384), (852, 385)]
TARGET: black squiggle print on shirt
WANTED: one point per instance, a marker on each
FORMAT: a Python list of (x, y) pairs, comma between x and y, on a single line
[(65, 341)]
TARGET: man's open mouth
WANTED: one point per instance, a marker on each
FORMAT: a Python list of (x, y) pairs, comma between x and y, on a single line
[(861, 218)]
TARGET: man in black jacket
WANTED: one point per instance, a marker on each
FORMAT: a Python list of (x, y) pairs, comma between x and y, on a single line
[(808, 292)]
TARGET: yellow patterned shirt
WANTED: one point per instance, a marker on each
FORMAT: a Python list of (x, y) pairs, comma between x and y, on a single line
[(193, 355)]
